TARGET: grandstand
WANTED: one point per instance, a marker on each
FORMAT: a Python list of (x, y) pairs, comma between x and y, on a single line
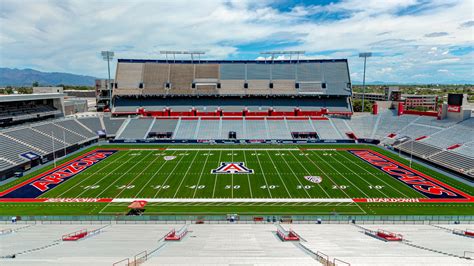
[(231, 87), (29, 145)]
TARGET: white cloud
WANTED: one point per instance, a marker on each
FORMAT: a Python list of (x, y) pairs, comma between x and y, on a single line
[(68, 35)]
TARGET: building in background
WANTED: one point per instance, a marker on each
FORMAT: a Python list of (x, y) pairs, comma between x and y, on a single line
[(48, 90), (102, 94), (20, 108), (412, 101), (391, 93)]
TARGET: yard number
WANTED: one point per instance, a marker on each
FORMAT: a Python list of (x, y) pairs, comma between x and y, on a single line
[(376, 187), (195, 186), (126, 187), (269, 186), (92, 187), (161, 187), (232, 187)]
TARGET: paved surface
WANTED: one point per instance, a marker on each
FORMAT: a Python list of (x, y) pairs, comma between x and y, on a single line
[(233, 244)]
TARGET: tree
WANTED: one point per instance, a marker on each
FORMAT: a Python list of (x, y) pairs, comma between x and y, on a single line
[(35, 84), (357, 104)]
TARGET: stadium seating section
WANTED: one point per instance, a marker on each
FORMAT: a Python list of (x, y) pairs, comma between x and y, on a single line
[(57, 135)]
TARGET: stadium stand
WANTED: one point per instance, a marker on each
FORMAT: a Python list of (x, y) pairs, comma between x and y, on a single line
[(307, 78), (136, 129), (91, 122), (418, 148), (112, 125)]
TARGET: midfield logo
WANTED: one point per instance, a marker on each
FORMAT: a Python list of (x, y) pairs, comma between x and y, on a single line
[(232, 168)]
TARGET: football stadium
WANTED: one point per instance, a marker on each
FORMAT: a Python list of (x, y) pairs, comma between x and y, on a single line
[(266, 161)]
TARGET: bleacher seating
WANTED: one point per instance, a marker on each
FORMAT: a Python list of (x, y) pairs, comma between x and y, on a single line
[(112, 125), (187, 129), (164, 125), (42, 139), (136, 129), (256, 129), (208, 129), (419, 148), (455, 161), (92, 122)]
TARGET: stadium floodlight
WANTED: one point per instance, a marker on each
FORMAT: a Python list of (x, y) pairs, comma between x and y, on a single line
[(174, 53), (108, 56), (364, 55), (273, 53)]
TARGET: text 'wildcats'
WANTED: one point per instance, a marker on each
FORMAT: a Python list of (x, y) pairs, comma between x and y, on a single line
[(232, 168), (429, 187)]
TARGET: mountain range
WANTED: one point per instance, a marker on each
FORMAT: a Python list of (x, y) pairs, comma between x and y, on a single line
[(26, 77)]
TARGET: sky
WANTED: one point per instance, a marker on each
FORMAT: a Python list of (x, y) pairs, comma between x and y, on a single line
[(412, 41)]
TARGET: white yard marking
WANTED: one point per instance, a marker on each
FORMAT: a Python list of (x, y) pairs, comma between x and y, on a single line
[(117, 179), (278, 172), (264, 178), (347, 179), (215, 176), (141, 173), (248, 177), (363, 179), (306, 170), (325, 174), (184, 177), (232, 149), (372, 174), (227, 200), (153, 176), (96, 172), (202, 171), (164, 182)]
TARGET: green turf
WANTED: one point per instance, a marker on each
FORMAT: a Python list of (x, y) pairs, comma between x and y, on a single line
[(50, 209), (278, 174)]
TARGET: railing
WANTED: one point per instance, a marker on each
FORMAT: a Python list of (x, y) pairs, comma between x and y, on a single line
[(122, 262), (243, 219)]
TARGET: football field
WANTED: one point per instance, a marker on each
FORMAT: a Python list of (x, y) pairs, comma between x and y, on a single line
[(275, 174), (281, 179)]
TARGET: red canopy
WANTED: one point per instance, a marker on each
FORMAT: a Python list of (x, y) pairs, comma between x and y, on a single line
[(138, 204)]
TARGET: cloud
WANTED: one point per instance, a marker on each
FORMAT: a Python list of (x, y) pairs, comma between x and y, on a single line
[(436, 34), (467, 24), (69, 35)]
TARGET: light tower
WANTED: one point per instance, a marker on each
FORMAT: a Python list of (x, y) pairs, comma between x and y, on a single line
[(108, 56), (364, 55)]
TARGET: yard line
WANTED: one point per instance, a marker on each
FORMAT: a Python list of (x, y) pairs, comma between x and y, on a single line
[(278, 172), (306, 172), (263, 173), (174, 168), (232, 179), (248, 177), (150, 164), (317, 166), (153, 176), (105, 176), (215, 176), (363, 179), (202, 171), (96, 172), (376, 176), (341, 174), (122, 175), (184, 177)]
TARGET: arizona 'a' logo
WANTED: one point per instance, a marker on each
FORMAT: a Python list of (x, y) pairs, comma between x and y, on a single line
[(232, 168)]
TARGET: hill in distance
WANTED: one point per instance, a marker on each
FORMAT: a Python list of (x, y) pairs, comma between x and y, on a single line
[(25, 77)]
